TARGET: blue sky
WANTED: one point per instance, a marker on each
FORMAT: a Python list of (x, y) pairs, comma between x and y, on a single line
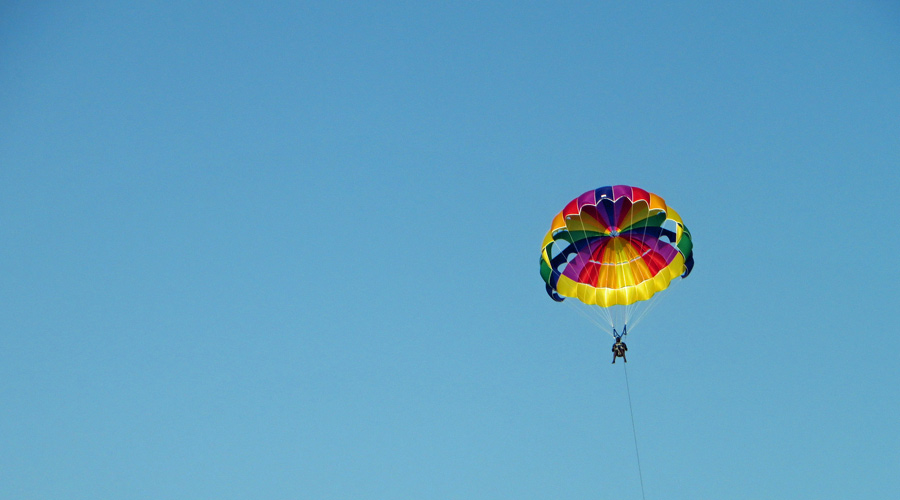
[(290, 250)]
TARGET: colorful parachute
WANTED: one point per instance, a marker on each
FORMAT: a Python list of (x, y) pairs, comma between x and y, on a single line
[(615, 247)]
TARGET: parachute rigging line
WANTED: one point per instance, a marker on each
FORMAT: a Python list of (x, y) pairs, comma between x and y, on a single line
[(634, 432)]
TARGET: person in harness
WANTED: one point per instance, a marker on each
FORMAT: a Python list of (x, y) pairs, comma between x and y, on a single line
[(619, 347)]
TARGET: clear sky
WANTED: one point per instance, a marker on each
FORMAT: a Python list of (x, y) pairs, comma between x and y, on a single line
[(290, 250)]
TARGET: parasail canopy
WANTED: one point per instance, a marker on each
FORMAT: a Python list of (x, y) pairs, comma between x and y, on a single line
[(615, 246)]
